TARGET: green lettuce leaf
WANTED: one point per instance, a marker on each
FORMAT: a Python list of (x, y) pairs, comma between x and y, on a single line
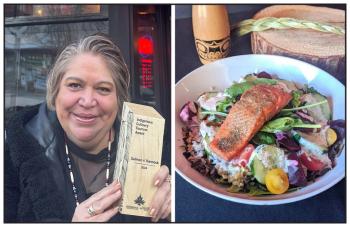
[(264, 138), (284, 124), (223, 105), (296, 102), (239, 88)]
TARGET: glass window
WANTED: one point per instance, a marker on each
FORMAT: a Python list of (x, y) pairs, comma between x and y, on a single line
[(30, 52), (29, 10), (9, 10)]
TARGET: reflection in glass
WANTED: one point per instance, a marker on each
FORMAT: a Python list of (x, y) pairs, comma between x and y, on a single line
[(30, 52), (24, 10), (9, 10), (50, 10)]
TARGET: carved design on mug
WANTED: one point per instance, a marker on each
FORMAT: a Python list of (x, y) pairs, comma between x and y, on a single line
[(213, 50)]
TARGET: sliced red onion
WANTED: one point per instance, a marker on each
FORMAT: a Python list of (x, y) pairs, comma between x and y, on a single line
[(188, 113), (305, 117), (287, 142), (296, 175), (279, 135), (264, 74)]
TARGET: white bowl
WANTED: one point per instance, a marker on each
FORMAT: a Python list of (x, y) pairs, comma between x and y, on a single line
[(220, 75)]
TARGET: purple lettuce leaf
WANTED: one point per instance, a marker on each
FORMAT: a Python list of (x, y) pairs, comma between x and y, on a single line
[(296, 174)]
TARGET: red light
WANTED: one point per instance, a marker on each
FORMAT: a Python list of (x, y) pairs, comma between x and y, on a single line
[(145, 45), (146, 72)]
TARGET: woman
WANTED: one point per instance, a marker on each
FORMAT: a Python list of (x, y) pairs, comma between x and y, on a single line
[(58, 155)]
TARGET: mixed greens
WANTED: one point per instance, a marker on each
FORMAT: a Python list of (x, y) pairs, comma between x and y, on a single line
[(298, 145)]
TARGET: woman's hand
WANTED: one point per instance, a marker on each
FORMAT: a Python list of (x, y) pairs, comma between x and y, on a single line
[(161, 202), (100, 206)]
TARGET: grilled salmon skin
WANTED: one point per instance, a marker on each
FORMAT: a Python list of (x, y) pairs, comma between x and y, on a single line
[(246, 117)]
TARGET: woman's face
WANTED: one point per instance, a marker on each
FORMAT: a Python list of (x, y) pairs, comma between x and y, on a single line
[(86, 103)]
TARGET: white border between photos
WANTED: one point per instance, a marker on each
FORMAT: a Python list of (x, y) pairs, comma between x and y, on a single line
[(172, 113), (172, 72)]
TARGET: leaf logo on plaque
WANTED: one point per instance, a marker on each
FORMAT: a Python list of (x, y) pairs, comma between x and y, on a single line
[(139, 200)]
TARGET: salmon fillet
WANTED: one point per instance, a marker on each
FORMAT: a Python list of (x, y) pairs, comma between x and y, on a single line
[(246, 117)]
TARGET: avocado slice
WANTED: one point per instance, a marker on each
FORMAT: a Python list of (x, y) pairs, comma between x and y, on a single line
[(274, 158), (259, 170)]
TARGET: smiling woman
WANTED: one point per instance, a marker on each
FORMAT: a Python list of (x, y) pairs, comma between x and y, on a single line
[(86, 101), (59, 155)]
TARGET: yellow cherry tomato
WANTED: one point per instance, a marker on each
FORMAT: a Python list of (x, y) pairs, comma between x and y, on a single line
[(277, 181), (331, 136)]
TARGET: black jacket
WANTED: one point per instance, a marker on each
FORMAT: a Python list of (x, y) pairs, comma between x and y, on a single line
[(34, 175)]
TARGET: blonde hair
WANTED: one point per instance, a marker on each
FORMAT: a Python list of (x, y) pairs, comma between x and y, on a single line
[(99, 45)]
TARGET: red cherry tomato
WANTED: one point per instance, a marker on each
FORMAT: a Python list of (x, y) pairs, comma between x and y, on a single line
[(245, 155), (311, 163)]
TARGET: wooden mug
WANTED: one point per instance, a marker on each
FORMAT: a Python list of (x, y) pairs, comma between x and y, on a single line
[(211, 29)]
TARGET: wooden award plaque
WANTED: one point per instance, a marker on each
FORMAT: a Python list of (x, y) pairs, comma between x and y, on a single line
[(138, 157)]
